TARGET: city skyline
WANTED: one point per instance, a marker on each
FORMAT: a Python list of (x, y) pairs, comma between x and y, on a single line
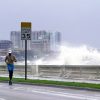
[(77, 20), (42, 39)]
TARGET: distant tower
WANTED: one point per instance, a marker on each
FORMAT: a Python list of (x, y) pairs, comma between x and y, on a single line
[(15, 37), (19, 44), (40, 42), (55, 41)]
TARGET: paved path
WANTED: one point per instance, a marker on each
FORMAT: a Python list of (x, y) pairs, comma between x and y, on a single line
[(32, 92)]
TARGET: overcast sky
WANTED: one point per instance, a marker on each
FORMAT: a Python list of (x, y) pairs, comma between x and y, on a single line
[(77, 20)]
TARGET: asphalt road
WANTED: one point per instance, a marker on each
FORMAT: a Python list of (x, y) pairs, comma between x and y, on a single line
[(32, 92)]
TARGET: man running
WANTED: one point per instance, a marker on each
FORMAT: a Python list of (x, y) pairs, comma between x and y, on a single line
[(10, 59)]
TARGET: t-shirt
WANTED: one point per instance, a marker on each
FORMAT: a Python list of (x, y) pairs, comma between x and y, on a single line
[(10, 59)]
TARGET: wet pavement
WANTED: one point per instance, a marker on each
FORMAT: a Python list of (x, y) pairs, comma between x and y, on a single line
[(32, 92)]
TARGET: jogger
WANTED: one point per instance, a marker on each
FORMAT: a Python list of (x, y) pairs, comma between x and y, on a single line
[(10, 59)]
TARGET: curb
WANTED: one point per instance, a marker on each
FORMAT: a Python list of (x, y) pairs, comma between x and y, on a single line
[(59, 86)]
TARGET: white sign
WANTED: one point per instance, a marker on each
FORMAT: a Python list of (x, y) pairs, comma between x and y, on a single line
[(25, 31)]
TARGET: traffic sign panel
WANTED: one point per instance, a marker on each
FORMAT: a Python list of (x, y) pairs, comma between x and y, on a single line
[(25, 31)]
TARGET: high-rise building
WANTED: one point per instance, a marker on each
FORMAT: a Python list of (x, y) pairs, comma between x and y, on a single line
[(19, 44), (15, 37), (40, 42), (55, 41)]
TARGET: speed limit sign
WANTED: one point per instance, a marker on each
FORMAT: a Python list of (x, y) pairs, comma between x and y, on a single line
[(25, 31)]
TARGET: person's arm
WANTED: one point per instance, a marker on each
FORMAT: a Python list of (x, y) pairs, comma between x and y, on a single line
[(15, 59), (6, 59)]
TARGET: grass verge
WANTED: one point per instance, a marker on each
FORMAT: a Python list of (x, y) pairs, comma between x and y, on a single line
[(49, 82)]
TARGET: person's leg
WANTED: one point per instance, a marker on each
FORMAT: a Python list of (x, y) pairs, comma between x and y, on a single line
[(10, 69), (10, 76)]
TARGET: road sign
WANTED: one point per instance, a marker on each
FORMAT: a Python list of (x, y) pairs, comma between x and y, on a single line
[(25, 35), (25, 31)]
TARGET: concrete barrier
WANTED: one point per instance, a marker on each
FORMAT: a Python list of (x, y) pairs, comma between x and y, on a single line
[(89, 72), (18, 70)]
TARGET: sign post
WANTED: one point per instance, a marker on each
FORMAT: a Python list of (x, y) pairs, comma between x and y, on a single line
[(25, 35)]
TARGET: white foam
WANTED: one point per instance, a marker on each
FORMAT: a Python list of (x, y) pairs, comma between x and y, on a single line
[(69, 55)]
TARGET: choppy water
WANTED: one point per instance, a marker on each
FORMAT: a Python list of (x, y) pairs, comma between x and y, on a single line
[(69, 55)]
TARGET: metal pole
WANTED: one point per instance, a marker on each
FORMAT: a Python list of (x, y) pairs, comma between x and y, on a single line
[(25, 59)]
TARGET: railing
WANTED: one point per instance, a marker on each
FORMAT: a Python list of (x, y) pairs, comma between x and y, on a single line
[(88, 72)]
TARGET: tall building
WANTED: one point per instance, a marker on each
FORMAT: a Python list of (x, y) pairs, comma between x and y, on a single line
[(15, 37), (40, 42), (19, 44), (55, 41)]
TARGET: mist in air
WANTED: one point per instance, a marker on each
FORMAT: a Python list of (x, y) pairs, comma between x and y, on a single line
[(73, 55)]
